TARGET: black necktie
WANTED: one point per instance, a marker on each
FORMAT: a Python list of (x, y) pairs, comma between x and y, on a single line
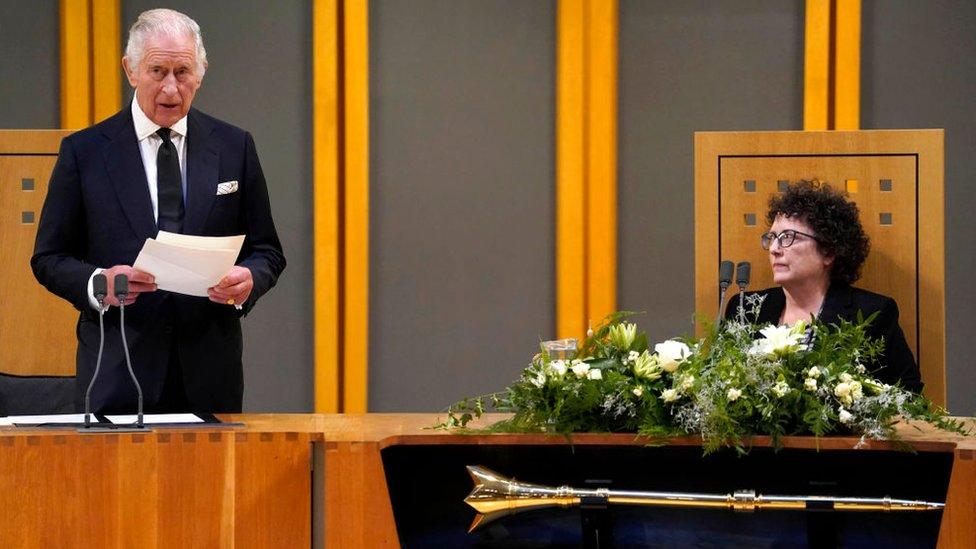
[(169, 185)]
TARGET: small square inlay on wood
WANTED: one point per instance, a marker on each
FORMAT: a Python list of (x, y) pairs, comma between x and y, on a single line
[(750, 220), (27, 184), (885, 218), (885, 185), (749, 185), (782, 185), (27, 218)]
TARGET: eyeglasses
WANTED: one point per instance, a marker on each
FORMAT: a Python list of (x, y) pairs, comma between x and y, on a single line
[(785, 238)]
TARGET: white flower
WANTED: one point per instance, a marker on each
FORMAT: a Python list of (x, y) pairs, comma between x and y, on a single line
[(580, 369), (877, 386), (670, 353), (780, 389), (845, 416), (846, 377), (558, 368), (538, 380), (595, 373), (733, 394), (631, 357), (842, 390), (810, 384), (669, 395), (647, 366), (814, 372), (856, 390), (622, 335), (780, 339), (638, 391), (687, 382)]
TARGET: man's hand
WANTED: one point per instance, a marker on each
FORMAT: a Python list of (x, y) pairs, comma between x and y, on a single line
[(234, 288), (139, 282)]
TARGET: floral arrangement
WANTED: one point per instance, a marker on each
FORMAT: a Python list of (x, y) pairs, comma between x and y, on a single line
[(728, 386)]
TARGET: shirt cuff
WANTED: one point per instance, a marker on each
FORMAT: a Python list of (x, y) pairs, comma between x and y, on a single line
[(91, 292)]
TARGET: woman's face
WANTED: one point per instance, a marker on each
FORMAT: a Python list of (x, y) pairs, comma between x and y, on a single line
[(801, 262)]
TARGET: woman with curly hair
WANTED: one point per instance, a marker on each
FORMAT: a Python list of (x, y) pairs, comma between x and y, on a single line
[(816, 249)]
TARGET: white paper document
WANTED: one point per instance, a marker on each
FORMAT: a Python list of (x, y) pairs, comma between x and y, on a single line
[(188, 264), (51, 418), (155, 419)]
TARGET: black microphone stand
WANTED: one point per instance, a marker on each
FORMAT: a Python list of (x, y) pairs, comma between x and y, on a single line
[(121, 293), (742, 273), (100, 290), (724, 281)]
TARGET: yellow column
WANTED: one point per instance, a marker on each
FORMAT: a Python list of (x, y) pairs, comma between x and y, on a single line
[(356, 191), (847, 63), (816, 65), (106, 59), (601, 169), (326, 208), (586, 164), (76, 93), (570, 169)]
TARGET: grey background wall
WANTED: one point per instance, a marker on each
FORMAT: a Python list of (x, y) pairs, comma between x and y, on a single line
[(462, 279), (687, 67), (30, 77), (462, 156), (918, 71)]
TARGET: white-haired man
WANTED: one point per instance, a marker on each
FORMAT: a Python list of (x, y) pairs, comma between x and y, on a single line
[(159, 165)]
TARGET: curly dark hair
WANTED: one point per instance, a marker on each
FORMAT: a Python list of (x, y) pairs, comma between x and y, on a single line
[(834, 220)]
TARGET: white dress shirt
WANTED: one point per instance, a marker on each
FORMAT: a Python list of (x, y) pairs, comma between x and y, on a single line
[(149, 144)]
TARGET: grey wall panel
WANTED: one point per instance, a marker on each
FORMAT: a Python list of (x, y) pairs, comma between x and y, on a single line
[(917, 71), (686, 67), (462, 196), (30, 71), (260, 56)]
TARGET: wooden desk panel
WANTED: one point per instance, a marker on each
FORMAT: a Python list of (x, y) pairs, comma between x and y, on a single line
[(174, 488)]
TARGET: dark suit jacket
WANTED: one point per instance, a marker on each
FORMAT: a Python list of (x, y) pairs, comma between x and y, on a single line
[(843, 302), (98, 214)]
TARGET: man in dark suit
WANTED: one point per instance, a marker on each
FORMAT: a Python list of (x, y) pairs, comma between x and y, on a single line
[(158, 165)]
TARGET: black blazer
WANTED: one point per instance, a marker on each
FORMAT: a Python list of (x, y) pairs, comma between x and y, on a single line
[(98, 213), (843, 302)]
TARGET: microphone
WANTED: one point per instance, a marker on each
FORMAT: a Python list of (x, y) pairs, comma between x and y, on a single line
[(99, 290), (121, 293), (742, 272), (725, 269)]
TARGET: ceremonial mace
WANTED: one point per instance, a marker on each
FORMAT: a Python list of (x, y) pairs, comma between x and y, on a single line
[(495, 496)]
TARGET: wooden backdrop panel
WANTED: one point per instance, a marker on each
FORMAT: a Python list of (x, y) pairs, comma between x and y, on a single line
[(891, 265), (907, 260), (37, 330)]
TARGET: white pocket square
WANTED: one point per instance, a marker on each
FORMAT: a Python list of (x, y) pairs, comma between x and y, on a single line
[(226, 187)]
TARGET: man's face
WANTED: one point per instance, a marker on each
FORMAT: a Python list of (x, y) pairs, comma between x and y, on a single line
[(166, 79)]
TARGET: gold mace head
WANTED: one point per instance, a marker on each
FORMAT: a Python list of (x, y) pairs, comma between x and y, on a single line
[(495, 496)]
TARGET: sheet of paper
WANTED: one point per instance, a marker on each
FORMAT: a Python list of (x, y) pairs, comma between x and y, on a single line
[(155, 419), (51, 418), (201, 242), (187, 269)]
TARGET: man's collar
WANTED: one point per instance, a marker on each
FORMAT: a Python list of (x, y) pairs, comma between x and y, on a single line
[(146, 127)]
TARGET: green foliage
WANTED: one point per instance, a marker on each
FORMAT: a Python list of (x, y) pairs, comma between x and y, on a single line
[(810, 379)]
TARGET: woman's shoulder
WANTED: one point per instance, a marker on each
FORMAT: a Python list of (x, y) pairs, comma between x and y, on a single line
[(863, 297), (847, 301)]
